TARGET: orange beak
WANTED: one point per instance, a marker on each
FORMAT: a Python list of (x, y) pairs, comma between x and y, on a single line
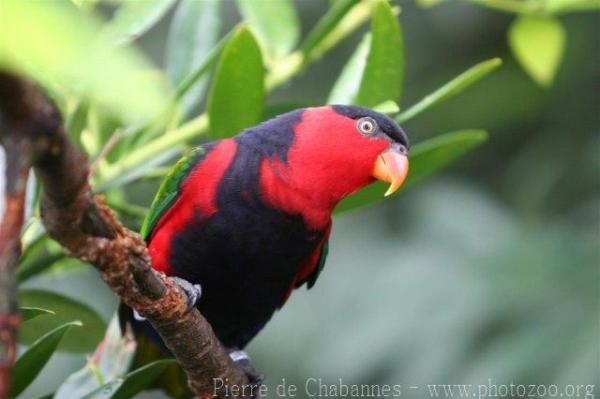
[(391, 166)]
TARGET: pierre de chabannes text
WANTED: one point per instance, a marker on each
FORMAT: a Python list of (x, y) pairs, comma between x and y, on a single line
[(317, 388)]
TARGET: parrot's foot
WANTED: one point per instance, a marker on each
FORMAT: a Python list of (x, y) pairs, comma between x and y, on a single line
[(255, 377), (191, 291)]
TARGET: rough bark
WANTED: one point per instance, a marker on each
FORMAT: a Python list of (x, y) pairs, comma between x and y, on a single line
[(80, 221)]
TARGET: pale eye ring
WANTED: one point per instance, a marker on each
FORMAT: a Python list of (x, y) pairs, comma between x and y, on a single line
[(366, 125)]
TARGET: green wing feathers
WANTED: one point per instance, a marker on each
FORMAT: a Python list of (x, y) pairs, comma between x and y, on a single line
[(169, 189), (312, 279)]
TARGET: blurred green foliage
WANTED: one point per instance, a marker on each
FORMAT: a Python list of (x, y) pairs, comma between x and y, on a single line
[(75, 57), (492, 274), (536, 37)]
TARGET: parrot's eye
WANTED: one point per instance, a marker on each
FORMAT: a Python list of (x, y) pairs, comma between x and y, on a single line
[(366, 125), (402, 149)]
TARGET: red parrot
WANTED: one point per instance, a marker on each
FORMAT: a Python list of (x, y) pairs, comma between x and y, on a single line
[(248, 218)]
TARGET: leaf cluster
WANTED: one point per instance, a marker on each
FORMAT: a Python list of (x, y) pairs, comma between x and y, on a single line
[(536, 36)]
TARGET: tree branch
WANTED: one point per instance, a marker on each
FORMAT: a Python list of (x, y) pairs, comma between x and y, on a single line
[(16, 173), (89, 230)]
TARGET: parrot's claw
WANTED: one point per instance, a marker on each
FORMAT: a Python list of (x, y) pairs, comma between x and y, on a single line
[(255, 377), (192, 291), (137, 316)]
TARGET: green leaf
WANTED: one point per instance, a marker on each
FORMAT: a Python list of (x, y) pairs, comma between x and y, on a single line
[(74, 57), (201, 70), (76, 120), (349, 20), (29, 365), (133, 18), (384, 73), (538, 44), (346, 87), (513, 6), (138, 171), (387, 107), (34, 237), (154, 148), (237, 96), (110, 361), (105, 391), (66, 309), (426, 158), (278, 108), (565, 6), (105, 375), (38, 257), (142, 378), (275, 22), (192, 34), (325, 25), (30, 313), (429, 3), (433, 155), (34, 267), (452, 88)]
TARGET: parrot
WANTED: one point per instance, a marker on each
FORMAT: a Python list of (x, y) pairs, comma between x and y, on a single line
[(241, 222)]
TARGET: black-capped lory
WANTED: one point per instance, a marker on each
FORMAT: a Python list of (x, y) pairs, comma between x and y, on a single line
[(248, 218)]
